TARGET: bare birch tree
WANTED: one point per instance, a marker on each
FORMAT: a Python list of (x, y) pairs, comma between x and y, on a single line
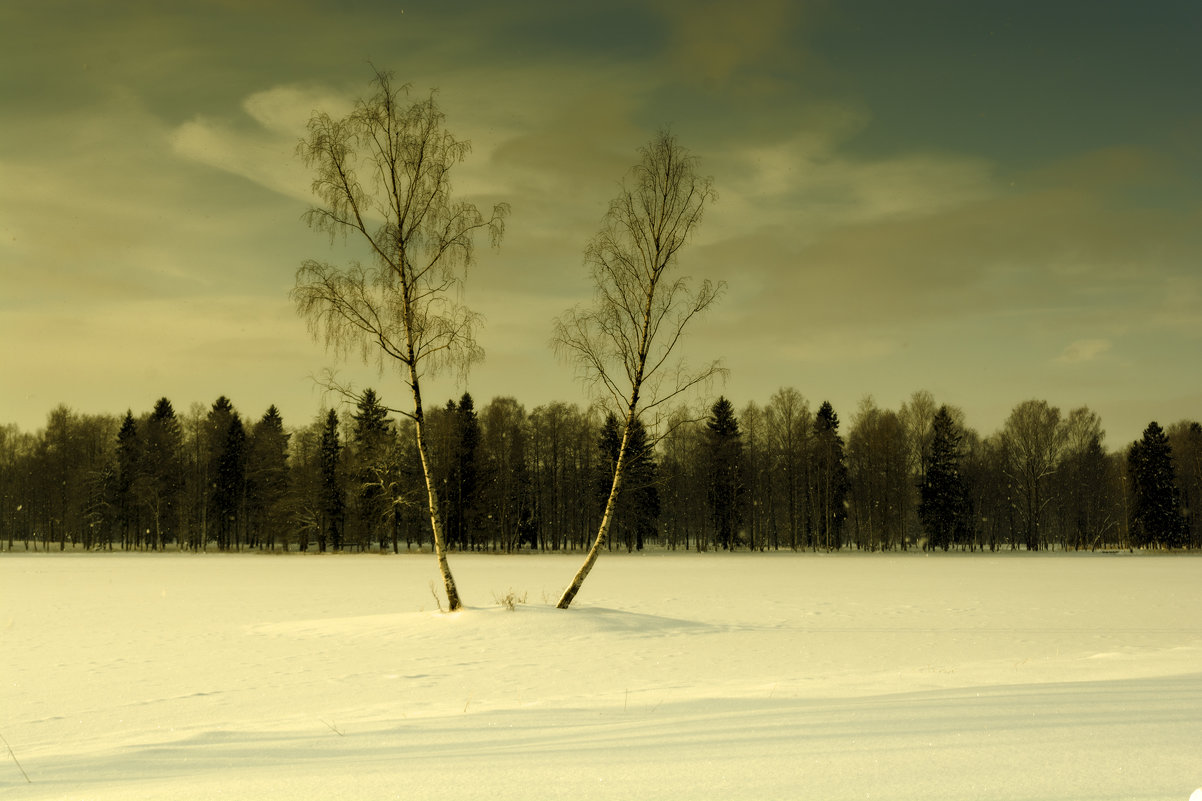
[(622, 344), (1033, 440), (383, 179)]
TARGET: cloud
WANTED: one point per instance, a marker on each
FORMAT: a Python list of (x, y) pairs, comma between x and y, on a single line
[(264, 155), (805, 184), (911, 254), (1083, 350), (286, 110)]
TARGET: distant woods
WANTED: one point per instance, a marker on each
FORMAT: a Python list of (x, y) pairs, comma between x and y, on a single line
[(782, 475)]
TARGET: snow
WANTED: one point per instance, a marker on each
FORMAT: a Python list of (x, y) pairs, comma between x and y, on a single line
[(734, 676)]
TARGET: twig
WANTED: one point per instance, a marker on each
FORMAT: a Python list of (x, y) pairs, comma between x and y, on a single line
[(437, 600), (17, 761), (332, 727)]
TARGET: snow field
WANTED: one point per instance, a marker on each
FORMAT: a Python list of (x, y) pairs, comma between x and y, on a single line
[(674, 676)]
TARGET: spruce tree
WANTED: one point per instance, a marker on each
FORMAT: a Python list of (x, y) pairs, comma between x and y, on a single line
[(216, 431), (463, 512), (371, 438), (267, 479), (229, 494), (129, 461), (1155, 505), (942, 508), (609, 443), (162, 472), (641, 489), (332, 501), (725, 487), (830, 477), (636, 509), (1187, 459)]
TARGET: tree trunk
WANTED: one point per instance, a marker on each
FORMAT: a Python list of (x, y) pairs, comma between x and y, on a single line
[(602, 531), (453, 602)]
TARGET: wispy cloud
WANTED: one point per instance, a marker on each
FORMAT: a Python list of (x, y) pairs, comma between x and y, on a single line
[(1084, 350)]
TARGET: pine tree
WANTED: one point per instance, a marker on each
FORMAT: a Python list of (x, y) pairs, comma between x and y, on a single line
[(830, 478), (725, 489), (332, 501), (1156, 507), (942, 508)]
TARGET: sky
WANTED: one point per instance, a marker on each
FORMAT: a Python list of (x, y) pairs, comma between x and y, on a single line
[(990, 201)]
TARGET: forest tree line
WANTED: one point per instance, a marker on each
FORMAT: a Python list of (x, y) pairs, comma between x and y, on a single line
[(782, 475)]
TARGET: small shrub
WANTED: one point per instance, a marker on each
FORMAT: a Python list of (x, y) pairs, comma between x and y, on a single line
[(509, 600)]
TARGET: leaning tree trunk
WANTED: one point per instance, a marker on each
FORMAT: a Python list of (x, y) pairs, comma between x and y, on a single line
[(603, 530), (440, 551)]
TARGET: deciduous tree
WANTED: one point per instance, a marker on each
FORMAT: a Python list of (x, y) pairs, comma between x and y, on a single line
[(383, 178), (623, 343), (878, 465), (1033, 438), (790, 424)]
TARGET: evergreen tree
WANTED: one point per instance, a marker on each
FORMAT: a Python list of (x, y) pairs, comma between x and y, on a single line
[(830, 478), (216, 432), (1155, 505), (129, 462), (636, 510), (641, 488), (162, 472), (267, 479), (229, 495), (332, 501), (609, 442), (371, 433), (1192, 476), (942, 507), (1185, 439), (725, 487), (463, 484)]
